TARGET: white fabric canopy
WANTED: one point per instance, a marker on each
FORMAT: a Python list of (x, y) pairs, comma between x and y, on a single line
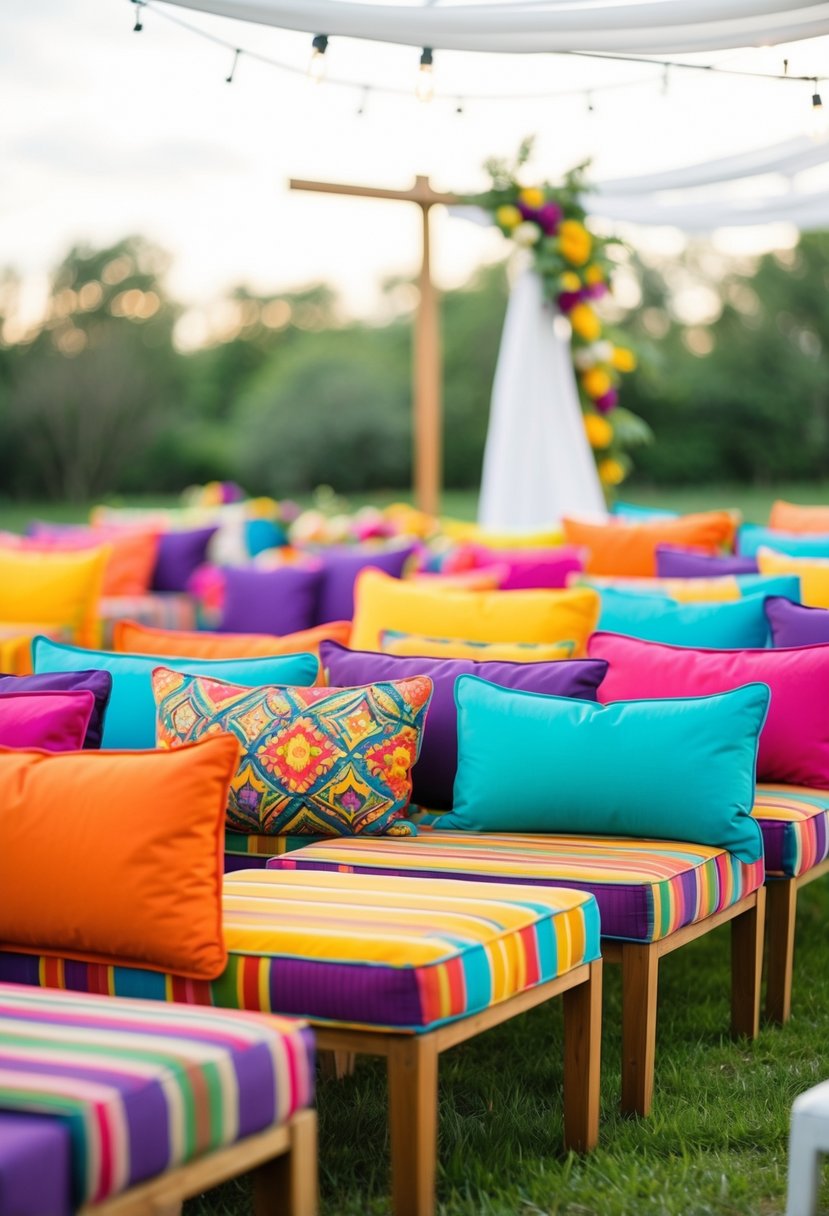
[(537, 465), (659, 27)]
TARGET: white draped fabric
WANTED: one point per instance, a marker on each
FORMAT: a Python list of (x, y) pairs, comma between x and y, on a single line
[(538, 465), (658, 27)]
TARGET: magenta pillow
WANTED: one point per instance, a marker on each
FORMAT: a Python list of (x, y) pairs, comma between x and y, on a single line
[(340, 567), (794, 745), (528, 568), (53, 721), (434, 773), (99, 683), (675, 562), (795, 624), (279, 601)]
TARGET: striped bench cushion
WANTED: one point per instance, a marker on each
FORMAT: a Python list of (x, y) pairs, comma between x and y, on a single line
[(795, 826), (243, 852), (645, 889), (160, 609), (145, 1087), (376, 951)]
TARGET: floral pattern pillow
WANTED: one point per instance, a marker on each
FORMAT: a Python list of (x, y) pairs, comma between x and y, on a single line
[(315, 761)]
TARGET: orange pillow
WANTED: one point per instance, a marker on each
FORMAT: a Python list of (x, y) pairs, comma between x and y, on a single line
[(791, 517), (131, 638), (618, 547), (116, 857), (130, 566)]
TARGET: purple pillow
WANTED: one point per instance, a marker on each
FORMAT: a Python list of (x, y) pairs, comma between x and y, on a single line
[(434, 773), (795, 624), (341, 567), (179, 554), (269, 601), (673, 562), (99, 683)]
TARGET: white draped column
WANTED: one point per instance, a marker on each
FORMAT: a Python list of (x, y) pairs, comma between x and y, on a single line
[(538, 465)]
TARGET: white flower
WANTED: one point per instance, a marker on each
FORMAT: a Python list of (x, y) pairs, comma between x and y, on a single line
[(603, 351), (584, 358), (526, 234)]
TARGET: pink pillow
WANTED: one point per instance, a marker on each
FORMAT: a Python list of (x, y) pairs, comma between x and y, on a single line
[(525, 568), (794, 745), (52, 721)]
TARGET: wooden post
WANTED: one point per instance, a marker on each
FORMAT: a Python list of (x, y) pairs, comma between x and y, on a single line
[(427, 377)]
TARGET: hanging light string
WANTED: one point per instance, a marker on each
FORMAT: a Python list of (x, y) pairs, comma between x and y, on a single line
[(320, 46)]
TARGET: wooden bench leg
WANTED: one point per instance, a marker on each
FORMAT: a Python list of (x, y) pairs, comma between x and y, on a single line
[(288, 1185), (334, 1065), (640, 971), (781, 911), (747, 967), (413, 1123), (582, 1061)]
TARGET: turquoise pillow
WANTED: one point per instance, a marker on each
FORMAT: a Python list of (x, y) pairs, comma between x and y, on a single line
[(636, 514), (130, 717), (725, 625), (753, 537), (675, 769), (787, 585)]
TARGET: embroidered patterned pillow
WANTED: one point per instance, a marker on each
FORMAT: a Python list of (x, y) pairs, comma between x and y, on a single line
[(315, 761)]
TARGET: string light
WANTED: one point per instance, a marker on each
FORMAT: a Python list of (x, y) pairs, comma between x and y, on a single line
[(459, 106), (361, 108), (425, 90), (138, 27), (317, 65), (591, 109), (229, 77)]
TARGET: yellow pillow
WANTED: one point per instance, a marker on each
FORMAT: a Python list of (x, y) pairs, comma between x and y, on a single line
[(683, 590), (382, 603), (461, 530), (813, 573), (483, 652), (55, 588)]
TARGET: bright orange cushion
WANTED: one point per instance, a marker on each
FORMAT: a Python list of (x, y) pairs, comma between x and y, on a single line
[(630, 549), (132, 638), (56, 588), (791, 517), (116, 857), (132, 559)]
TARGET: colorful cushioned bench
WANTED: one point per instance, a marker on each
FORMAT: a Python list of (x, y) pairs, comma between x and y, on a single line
[(159, 1103), (795, 826), (654, 896), (398, 967)]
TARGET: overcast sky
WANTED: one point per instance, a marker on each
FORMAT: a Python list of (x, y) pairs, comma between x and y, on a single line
[(107, 132)]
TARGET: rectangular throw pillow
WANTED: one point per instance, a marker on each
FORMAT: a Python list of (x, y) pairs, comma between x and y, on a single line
[(130, 719), (620, 547), (752, 538), (384, 603), (525, 568), (132, 558), (739, 623), (812, 572), (314, 761), (340, 567), (283, 600), (55, 588), (675, 562), (99, 683), (134, 638), (128, 865), (794, 746), (54, 721), (179, 556), (796, 624), (681, 769), (792, 517), (434, 773), (453, 648)]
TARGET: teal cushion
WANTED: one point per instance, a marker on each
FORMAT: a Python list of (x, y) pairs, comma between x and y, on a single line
[(787, 585), (725, 625), (637, 514), (676, 769), (130, 717), (753, 537)]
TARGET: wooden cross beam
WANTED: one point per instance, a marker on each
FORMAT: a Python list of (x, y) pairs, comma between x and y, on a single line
[(427, 370)]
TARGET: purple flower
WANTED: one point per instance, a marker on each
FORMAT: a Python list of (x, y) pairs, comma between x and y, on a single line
[(596, 291), (549, 217), (528, 213), (568, 300), (608, 402)]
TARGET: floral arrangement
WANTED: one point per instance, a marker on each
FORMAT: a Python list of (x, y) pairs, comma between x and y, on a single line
[(575, 272)]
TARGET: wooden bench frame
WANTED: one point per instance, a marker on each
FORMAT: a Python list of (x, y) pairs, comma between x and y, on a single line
[(640, 974), (781, 917), (284, 1159), (412, 1062)]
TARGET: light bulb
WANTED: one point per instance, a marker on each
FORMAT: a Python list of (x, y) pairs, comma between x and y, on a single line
[(818, 120), (317, 65), (425, 89)]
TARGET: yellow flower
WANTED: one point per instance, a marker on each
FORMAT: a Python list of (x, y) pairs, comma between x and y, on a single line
[(531, 196), (611, 472), (623, 359), (585, 323), (575, 241), (593, 275), (570, 281), (508, 216), (599, 430), (596, 382)]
